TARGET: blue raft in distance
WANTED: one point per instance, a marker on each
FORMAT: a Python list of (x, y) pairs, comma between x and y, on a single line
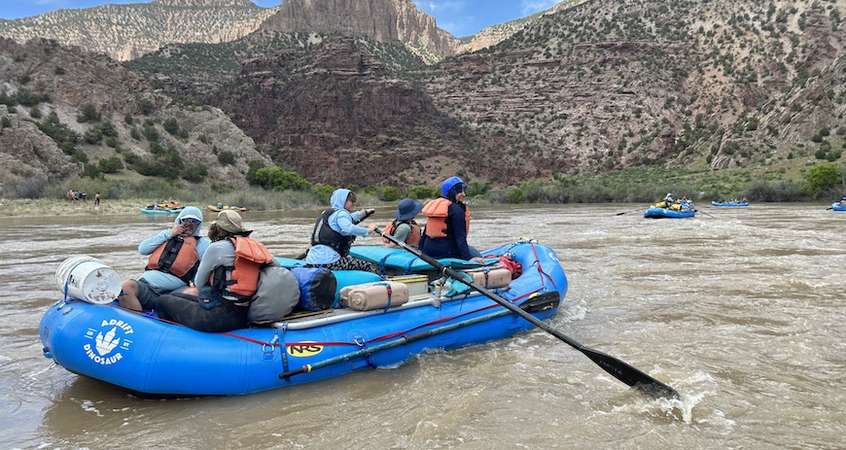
[(729, 204), (160, 211), (664, 213), (145, 355), (837, 206)]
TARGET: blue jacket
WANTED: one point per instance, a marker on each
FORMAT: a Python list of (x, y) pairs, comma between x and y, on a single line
[(343, 222), (454, 245), (165, 282)]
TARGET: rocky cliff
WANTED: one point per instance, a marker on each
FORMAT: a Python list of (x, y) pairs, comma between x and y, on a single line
[(63, 110), (382, 20), (197, 70), (611, 84), (336, 113), (128, 31)]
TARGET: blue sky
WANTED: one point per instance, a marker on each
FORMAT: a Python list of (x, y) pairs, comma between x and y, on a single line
[(459, 17)]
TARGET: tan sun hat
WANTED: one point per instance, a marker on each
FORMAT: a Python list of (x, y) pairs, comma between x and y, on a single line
[(230, 221)]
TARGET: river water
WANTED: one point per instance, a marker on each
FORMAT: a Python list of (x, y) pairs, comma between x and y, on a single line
[(742, 311)]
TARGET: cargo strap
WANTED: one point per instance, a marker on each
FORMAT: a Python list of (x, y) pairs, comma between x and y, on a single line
[(390, 292), (284, 349), (540, 268)]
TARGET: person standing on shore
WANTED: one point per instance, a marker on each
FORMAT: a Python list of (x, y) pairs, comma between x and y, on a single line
[(97, 201)]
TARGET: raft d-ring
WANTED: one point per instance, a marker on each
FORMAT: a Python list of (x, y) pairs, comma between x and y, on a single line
[(359, 341)]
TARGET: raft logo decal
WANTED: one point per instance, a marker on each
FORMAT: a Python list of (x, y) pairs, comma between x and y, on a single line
[(304, 349), (109, 341)]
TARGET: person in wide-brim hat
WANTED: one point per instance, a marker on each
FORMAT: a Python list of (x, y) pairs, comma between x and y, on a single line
[(404, 228), (227, 222)]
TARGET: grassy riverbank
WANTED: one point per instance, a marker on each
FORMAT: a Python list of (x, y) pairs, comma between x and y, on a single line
[(125, 194), (786, 184)]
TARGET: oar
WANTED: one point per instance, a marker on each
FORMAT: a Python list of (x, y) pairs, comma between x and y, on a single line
[(626, 212), (707, 214), (617, 368)]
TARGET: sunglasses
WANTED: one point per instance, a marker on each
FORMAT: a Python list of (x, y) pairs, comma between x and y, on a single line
[(189, 221)]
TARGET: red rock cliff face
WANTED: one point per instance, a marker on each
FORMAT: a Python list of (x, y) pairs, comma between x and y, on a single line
[(383, 20), (338, 116)]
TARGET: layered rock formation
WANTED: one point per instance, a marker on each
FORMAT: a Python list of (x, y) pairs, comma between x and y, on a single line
[(128, 31), (382, 20), (338, 115)]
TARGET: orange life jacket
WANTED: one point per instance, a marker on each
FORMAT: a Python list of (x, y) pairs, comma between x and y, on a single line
[(241, 280), (177, 256), (413, 238), (437, 211)]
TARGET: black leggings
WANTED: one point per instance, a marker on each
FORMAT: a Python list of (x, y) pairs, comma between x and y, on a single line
[(202, 313)]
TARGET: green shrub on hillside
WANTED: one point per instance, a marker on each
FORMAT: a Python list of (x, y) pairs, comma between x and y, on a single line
[(110, 165), (171, 126), (280, 179), (88, 113), (226, 158), (823, 177)]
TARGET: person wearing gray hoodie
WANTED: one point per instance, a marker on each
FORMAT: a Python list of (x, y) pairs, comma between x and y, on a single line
[(334, 232), (173, 257)]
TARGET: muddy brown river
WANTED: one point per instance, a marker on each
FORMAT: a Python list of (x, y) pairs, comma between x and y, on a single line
[(741, 310)]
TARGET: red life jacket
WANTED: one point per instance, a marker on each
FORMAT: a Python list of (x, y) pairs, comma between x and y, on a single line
[(413, 238), (177, 256), (241, 280), (437, 211)]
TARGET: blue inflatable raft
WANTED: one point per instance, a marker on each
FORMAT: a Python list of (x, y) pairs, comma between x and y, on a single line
[(837, 206), (160, 211), (729, 204), (664, 213), (143, 354)]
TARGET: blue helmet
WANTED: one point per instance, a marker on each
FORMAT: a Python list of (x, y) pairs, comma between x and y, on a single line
[(449, 184)]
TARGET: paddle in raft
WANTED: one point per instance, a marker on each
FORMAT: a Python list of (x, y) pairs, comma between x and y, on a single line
[(617, 368)]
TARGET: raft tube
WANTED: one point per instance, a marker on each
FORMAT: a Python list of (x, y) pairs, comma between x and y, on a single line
[(837, 206), (143, 354), (730, 204), (160, 211), (664, 213)]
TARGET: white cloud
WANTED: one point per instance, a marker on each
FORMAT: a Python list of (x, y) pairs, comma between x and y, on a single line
[(530, 7)]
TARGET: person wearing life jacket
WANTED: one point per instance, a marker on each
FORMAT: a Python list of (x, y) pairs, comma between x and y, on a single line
[(173, 257), (225, 283), (334, 233), (403, 227), (448, 223)]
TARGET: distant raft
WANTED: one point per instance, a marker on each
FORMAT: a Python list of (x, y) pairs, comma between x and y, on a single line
[(142, 354), (664, 213), (160, 211), (837, 206), (214, 208), (729, 204)]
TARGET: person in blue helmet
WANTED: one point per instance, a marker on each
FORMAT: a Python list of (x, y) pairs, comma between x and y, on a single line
[(334, 233), (173, 258), (448, 223)]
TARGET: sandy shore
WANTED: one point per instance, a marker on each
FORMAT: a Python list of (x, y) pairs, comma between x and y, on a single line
[(51, 207)]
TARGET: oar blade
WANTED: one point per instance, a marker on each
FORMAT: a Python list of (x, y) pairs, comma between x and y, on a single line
[(630, 375)]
